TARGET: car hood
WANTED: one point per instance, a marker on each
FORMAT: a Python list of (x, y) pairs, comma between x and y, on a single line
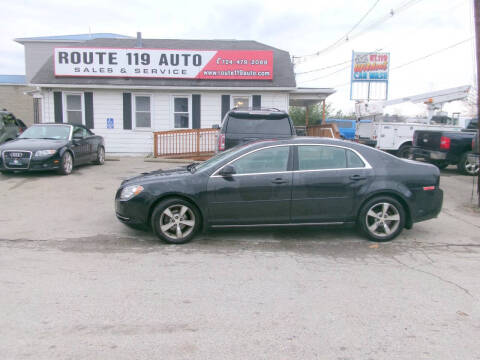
[(157, 175), (33, 144)]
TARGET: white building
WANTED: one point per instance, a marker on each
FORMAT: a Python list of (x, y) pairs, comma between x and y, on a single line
[(126, 88)]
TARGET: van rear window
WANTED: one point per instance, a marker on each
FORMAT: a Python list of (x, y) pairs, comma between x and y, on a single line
[(259, 126)]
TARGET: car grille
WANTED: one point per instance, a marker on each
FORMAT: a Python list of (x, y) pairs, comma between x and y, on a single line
[(16, 159)]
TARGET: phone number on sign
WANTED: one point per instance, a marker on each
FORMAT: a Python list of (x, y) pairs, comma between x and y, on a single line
[(221, 61)]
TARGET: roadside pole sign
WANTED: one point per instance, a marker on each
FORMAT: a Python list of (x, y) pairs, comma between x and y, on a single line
[(369, 76)]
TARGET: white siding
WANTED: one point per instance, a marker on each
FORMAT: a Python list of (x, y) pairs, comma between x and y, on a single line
[(211, 109), (108, 103), (274, 100)]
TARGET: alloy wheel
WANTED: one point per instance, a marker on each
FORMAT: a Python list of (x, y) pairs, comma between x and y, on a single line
[(101, 155), (382, 219), (177, 221), (67, 163), (471, 167)]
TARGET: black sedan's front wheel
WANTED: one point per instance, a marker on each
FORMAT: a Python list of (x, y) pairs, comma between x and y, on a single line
[(382, 218), (66, 164), (100, 160), (175, 221)]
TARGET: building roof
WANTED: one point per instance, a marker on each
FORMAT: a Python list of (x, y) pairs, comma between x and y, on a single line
[(12, 80), (72, 38), (283, 75)]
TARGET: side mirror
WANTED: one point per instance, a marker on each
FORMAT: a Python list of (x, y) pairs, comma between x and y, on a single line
[(227, 171), (216, 126)]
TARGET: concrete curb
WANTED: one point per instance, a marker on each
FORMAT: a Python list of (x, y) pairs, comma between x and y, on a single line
[(112, 159)]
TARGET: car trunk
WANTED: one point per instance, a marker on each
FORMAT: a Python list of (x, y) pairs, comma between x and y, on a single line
[(425, 139)]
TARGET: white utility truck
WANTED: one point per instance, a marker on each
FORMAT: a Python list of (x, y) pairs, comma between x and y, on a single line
[(396, 136)]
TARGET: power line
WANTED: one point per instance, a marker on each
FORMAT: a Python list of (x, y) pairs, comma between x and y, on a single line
[(323, 68), (330, 74), (401, 65), (433, 53), (347, 34), (348, 37)]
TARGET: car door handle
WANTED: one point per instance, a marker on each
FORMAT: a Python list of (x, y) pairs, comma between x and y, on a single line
[(357, 177), (279, 181)]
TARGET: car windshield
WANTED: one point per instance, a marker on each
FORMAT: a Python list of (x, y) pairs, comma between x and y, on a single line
[(56, 132), (259, 126)]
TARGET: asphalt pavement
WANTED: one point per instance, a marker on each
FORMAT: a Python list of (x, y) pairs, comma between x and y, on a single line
[(77, 284)]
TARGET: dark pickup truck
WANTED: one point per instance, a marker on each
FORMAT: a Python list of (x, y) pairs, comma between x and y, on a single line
[(444, 148)]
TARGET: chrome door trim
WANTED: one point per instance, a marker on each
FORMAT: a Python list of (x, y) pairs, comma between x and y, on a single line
[(367, 164)]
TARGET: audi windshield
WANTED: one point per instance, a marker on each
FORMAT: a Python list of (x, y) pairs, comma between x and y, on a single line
[(54, 132)]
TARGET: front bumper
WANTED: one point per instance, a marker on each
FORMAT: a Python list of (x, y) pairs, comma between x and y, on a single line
[(35, 164), (419, 153), (133, 211)]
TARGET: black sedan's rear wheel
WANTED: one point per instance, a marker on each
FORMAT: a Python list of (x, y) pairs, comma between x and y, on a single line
[(175, 221), (66, 164), (382, 218)]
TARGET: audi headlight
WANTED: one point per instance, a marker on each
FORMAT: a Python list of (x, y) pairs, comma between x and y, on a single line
[(41, 153), (131, 191)]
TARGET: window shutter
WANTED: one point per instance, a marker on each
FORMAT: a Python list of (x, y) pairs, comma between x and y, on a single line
[(225, 105), (57, 106), (88, 96), (196, 122), (256, 102), (127, 111)]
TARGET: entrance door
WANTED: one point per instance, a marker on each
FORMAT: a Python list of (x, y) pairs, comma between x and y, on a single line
[(258, 193)]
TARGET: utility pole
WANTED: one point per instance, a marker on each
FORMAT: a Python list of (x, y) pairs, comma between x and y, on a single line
[(476, 12)]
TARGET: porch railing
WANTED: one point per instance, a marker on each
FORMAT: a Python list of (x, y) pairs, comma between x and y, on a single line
[(325, 130), (185, 143)]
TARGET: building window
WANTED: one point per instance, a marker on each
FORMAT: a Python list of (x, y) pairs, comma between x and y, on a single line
[(74, 108), (241, 101), (181, 114), (143, 114)]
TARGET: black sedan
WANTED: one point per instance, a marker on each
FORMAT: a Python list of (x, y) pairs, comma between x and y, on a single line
[(296, 182), (57, 147)]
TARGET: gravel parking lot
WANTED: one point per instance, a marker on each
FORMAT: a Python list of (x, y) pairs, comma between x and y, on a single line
[(77, 284)]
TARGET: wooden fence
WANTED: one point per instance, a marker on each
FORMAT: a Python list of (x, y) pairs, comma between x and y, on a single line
[(326, 130), (188, 143)]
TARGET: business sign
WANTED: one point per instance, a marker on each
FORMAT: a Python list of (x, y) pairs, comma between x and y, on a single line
[(160, 63), (369, 79)]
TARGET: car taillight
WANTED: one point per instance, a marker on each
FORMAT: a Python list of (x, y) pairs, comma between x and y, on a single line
[(445, 143), (221, 142)]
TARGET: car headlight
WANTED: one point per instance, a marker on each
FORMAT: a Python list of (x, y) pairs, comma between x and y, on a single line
[(131, 191), (41, 153)]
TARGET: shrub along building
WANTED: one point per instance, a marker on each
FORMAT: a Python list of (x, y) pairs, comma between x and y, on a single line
[(125, 88)]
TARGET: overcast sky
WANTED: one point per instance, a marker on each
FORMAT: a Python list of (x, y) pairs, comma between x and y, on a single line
[(300, 27)]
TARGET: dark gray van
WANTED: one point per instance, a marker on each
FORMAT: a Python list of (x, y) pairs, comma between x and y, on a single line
[(240, 126)]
